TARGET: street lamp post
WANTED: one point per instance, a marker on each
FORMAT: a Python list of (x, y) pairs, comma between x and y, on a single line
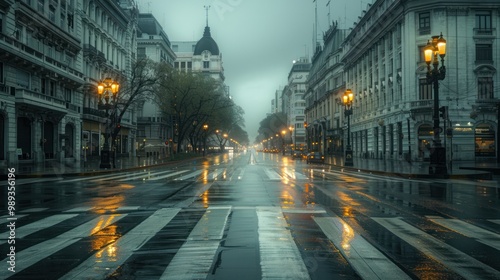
[(283, 133), (108, 94), (434, 74), (347, 99), (205, 129)]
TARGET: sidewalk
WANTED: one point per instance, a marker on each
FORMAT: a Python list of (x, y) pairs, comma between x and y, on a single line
[(91, 167), (456, 170)]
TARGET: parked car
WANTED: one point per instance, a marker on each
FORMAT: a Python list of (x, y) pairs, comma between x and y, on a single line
[(297, 154), (315, 157)]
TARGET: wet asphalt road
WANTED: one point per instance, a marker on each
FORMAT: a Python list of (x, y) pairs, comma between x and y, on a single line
[(251, 216)]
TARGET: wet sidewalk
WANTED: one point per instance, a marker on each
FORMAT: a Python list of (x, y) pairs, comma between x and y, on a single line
[(420, 169), (92, 166)]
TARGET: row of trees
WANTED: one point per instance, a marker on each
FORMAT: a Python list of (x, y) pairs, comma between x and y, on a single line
[(197, 104)]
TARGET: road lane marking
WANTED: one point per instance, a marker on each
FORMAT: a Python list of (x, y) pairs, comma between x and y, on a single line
[(495, 221), (195, 257), (481, 235), (292, 174), (273, 175), (111, 257), (279, 256), (33, 210), (452, 258), (80, 209), (167, 176), (34, 254), (86, 178), (190, 175), (28, 229), (145, 175), (3, 219), (366, 260)]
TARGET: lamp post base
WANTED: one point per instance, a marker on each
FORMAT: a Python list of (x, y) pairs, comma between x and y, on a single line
[(438, 161), (105, 159), (348, 161)]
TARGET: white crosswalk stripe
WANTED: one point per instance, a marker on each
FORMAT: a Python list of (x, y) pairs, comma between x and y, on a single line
[(31, 255), (368, 262), (276, 241), (481, 235), (100, 265), (459, 262), (38, 225), (196, 256)]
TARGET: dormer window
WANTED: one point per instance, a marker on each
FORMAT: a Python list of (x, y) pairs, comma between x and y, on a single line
[(206, 55)]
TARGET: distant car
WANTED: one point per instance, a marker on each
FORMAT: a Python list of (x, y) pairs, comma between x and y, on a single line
[(315, 157), (297, 154)]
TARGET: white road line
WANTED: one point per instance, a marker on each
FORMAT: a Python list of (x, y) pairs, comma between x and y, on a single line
[(80, 209), (195, 257), (190, 175), (294, 175), (109, 258), (33, 210), (167, 176), (495, 221), (3, 219), (33, 254), (146, 175), (86, 178), (366, 260), (276, 242), (459, 262), (481, 235), (28, 229), (273, 175)]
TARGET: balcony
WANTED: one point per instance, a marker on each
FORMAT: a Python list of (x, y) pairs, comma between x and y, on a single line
[(93, 114), (38, 100), (421, 104), (484, 32)]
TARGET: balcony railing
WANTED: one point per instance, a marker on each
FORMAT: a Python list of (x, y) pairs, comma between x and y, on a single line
[(419, 104), (484, 31), (37, 99), (94, 112)]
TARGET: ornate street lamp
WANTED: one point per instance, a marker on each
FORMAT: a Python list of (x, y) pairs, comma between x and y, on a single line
[(435, 47), (347, 100), (108, 95)]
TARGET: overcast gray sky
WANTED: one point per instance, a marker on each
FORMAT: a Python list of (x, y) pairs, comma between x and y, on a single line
[(258, 40)]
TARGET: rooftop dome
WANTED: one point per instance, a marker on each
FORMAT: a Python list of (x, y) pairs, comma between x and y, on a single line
[(206, 43)]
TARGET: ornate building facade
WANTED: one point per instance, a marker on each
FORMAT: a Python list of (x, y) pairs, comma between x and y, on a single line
[(53, 53), (383, 64)]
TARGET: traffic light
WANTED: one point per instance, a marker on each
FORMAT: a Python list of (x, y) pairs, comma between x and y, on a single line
[(443, 112)]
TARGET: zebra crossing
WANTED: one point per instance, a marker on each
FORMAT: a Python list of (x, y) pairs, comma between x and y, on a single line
[(280, 255), (164, 175)]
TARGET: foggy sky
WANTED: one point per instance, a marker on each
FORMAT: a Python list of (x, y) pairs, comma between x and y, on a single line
[(258, 40)]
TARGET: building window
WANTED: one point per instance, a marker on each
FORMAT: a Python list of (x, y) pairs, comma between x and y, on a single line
[(425, 89), (483, 22), (67, 95), (41, 4), (190, 65), (484, 53), (206, 64), (485, 88), (424, 23)]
